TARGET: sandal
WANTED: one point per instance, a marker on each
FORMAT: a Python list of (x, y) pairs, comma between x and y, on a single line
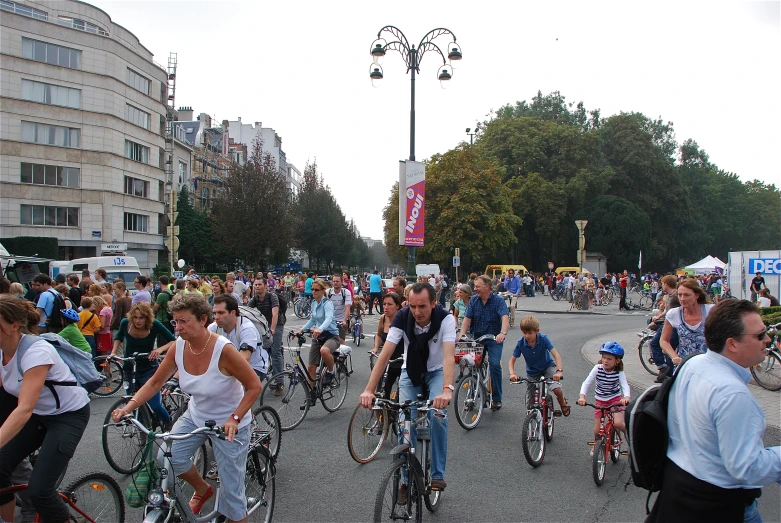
[(196, 502), (565, 409)]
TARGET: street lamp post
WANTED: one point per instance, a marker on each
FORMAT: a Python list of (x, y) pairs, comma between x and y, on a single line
[(412, 57), (472, 134)]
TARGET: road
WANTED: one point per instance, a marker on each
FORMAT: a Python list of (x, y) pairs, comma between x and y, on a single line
[(488, 478)]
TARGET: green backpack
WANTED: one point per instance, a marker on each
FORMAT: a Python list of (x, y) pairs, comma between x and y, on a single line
[(145, 477)]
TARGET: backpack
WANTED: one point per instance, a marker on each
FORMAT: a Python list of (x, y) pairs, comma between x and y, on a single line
[(344, 296), (79, 362), (282, 304), (647, 434), (259, 321), (54, 321)]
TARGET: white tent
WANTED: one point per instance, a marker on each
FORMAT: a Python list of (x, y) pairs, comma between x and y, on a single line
[(706, 265)]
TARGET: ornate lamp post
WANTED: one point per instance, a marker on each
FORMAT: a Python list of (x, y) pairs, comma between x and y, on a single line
[(412, 57)]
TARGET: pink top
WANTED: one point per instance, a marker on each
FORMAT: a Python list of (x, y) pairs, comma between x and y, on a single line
[(106, 313)]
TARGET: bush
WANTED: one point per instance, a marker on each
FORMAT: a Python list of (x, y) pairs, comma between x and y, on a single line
[(772, 319), (769, 311), (42, 246)]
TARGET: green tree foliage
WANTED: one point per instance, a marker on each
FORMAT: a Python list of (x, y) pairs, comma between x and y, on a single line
[(196, 243), (618, 229)]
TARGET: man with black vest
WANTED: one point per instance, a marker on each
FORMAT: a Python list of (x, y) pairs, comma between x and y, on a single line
[(429, 335)]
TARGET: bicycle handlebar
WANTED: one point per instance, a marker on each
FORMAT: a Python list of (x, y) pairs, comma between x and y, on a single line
[(611, 408), (481, 339), (126, 358), (167, 436), (549, 381), (422, 406), (375, 355)]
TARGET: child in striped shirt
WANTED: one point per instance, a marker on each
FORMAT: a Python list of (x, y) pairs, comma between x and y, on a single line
[(610, 383)]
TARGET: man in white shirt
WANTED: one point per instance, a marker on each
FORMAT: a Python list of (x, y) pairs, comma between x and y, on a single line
[(240, 289), (342, 301), (240, 331), (429, 335)]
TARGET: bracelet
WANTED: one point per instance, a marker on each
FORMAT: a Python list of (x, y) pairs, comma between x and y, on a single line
[(134, 399)]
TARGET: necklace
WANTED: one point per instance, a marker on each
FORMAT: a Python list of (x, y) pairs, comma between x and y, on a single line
[(204, 345)]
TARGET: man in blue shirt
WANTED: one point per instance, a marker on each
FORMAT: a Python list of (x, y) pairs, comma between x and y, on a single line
[(717, 462), (308, 285), (42, 283), (375, 291), (512, 284), (487, 314)]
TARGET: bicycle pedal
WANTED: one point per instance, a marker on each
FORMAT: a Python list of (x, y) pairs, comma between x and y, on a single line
[(624, 452), (590, 443), (557, 413)]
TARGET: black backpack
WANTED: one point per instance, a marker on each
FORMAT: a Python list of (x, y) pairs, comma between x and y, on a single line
[(282, 303), (54, 321), (647, 434)]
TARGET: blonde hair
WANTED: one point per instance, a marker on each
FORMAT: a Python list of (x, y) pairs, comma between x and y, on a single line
[(16, 288), (99, 303), (319, 282), (146, 311), (17, 310), (529, 324)]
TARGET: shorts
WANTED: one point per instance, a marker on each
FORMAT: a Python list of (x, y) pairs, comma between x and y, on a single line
[(314, 351), (608, 403), (549, 372)]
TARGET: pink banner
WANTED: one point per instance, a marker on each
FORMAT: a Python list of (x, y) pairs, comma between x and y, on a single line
[(416, 206)]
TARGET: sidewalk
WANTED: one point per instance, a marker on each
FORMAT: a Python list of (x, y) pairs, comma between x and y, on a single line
[(544, 304), (640, 378)]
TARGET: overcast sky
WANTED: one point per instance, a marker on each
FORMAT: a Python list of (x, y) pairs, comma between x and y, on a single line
[(712, 68)]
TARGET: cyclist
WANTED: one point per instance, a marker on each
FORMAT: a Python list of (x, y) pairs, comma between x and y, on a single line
[(342, 301), (391, 305), (542, 361), (356, 310), (512, 284), (288, 281), (611, 387), (268, 304), (71, 332), (325, 335), (429, 335), (52, 420), (228, 323), (487, 314), (310, 279)]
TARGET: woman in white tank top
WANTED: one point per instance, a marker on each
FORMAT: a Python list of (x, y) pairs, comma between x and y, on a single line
[(222, 386)]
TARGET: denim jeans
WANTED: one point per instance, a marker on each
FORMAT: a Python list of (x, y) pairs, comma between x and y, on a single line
[(277, 357), (435, 381), (661, 359), (751, 514), (495, 368), (156, 401)]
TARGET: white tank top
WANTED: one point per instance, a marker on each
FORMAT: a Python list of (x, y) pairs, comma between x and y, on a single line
[(213, 395)]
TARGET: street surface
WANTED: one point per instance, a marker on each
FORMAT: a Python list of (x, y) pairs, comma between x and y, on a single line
[(488, 478)]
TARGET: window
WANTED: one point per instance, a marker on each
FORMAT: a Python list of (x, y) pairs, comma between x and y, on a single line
[(51, 94), (135, 222), (51, 53), (46, 134), (23, 10), (136, 187), (82, 25), (50, 216), (38, 174), (138, 82), (182, 172), (136, 151), (136, 116)]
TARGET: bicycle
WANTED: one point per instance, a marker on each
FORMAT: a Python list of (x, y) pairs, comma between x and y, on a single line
[(357, 329), (168, 500), (412, 459), (645, 353), (302, 307), (112, 373), (508, 297), (95, 498), (369, 428), (558, 293), (293, 408), (473, 387), (768, 373), (539, 422), (123, 445), (607, 444)]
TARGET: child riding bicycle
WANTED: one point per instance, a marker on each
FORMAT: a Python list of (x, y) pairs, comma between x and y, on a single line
[(610, 382)]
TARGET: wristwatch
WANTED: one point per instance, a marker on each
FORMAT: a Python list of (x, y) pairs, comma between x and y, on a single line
[(503, 333), (560, 370), (451, 387), (235, 417)]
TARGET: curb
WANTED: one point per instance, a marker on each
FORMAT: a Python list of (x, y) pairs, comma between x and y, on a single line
[(619, 315)]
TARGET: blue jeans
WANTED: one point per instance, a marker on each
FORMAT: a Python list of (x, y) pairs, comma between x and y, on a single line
[(661, 359), (277, 358), (751, 514), (495, 368), (156, 401), (435, 381)]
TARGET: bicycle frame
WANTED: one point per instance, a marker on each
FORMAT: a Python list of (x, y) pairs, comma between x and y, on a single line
[(13, 489), (607, 427)]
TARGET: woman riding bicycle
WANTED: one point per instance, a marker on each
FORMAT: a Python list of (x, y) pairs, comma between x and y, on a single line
[(325, 335), (53, 419), (391, 303), (222, 387)]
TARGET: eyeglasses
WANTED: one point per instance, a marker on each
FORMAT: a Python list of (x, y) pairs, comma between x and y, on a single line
[(181, 323), (317, 289), (760, 336)]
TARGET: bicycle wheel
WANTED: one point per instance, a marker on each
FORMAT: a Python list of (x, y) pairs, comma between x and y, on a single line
[(113, 376), (768, 373), (598, 462), (306, 309), (268, 422), (551, 419), (431, 497), (332, 396), (532, 440), (646, 358), (293, 404), (260, 483), (123, 444), (175, 403), (366, 433), (386, 504), (468, 402), (615, 446), (98, 496), (357, 335), (555, 296)]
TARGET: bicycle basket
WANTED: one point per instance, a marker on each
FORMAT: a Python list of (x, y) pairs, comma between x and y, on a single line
[(138, 489), (472, 352)]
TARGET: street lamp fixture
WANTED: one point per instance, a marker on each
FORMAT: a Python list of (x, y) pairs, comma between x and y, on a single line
[(472, 135), (412, 57)]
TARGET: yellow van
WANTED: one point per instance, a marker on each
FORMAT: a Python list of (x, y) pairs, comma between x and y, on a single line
[(559, 270), (497, 270)]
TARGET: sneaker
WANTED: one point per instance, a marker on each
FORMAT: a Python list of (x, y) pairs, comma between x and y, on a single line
[(213, 473), (401, 495), (495, 405), (362, 336), (328, 378), (277, 389), (438, 484), (662, 374)]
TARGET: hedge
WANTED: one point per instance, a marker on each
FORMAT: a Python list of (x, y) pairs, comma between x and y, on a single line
[(42, 246)]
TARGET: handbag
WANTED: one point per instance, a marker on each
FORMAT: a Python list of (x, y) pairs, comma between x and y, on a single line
[(144, 478)]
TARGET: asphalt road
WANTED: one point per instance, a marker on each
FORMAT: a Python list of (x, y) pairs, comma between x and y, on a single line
[(487, 475)]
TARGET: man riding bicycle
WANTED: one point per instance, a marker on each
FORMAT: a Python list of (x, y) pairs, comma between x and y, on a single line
[(342, 301), (428, 332), (512, 284)]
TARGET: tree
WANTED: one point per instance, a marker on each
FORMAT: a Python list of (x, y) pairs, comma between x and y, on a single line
[(257, 194), (618, 229)]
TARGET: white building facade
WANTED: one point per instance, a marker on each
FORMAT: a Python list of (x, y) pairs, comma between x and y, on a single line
[(272, 144), (82, 127)]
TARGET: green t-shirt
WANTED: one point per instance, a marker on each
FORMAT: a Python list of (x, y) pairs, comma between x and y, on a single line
[(162, 300), (75, 338)]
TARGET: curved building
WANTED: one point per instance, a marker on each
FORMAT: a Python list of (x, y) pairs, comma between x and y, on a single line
[(82, 131)]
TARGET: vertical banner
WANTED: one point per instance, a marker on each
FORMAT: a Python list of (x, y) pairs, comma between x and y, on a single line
[(414, 227), (402, 200)]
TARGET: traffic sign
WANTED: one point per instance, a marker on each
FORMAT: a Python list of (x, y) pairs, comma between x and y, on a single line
[(550, 266), (456, 261)]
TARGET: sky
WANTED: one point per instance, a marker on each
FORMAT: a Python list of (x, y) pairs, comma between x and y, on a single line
[(302, 68)]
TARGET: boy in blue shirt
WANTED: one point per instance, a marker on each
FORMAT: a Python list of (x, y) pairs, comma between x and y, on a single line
[(542, 361)]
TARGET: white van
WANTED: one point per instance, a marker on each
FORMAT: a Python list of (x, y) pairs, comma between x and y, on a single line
[(123, 267)]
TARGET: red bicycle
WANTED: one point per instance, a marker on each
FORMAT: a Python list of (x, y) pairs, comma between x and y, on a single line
[(608, 444), (539, 422), (93, 498)]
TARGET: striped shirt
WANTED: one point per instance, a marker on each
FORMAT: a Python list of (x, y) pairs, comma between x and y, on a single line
[(608, 384)]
